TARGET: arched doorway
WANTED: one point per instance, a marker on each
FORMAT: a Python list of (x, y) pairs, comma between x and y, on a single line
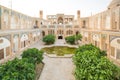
[(115, 48), (60, 37), (43, 33), (34, 37), (77, 32), (4, 48), (24, 40)]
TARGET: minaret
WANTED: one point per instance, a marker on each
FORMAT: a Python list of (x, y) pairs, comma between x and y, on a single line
[(41, 14)]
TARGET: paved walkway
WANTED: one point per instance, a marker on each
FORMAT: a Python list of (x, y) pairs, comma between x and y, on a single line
[(57, 69)]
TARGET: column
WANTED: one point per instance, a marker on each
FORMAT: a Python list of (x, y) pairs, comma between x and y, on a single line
[(4, 52), (108, 46), (19, 42), (11, 46), (100, 45)]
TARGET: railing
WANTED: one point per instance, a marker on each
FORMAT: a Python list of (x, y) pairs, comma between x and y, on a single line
[(76, 26), (44, 26), (51, 26), (3, 32), (60, 26), (68, 26)]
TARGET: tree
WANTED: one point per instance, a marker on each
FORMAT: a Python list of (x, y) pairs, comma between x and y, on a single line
[(49, 39), (33, 54), (73, 39), (92, 65), (22, 69), (78, 37), (70, 39), (17, 70)]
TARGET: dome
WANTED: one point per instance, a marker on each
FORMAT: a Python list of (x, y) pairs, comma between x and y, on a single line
[(114, 4)]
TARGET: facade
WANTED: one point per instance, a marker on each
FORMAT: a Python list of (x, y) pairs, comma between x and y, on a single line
[(18, 31), (60, 24), (103, 30)]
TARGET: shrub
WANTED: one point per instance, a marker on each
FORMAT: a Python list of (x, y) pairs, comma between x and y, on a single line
[(92, 65), (90, 47), (78, 37), (49, 39), (34, 55), (70, 39), (73, 39), (22, 69), (17, 70)]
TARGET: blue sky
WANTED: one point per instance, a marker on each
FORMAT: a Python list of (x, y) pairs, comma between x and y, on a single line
[(32, 7)]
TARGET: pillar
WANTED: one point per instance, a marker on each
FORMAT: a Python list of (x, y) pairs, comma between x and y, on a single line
[(11, 46)]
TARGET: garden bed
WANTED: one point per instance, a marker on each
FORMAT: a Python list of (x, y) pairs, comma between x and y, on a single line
[(38, 70)]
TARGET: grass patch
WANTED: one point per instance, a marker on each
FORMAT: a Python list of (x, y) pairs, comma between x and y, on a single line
[(59, 50)]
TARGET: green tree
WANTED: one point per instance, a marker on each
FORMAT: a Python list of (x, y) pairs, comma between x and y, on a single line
[(78, 37), (17, 70), (73, 39), (22, 69), (49, 39), (33, 54), (92, 65), (70, 39)]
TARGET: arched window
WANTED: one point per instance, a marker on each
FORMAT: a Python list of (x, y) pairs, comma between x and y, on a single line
[(77, 32), (43, 33), (60, 20), (84, 24)]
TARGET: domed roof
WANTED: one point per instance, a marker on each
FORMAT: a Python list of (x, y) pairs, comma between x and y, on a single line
[(114, 4)]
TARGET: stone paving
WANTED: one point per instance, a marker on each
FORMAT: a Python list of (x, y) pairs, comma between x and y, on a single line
[(56, 68)]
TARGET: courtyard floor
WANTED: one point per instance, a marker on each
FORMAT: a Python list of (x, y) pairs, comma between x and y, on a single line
[(56, 68)]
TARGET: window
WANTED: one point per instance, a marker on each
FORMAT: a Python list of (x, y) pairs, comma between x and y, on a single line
[(7, 51), (60, 20), (77, 33), (95, 43), (84, 24), (1, 54), (112, 51), (107, 22), (105, 46), (118, 54), (23, 44), (41, 23), (43, 33), (67, 33), (85, 38), (115, 24), (52, 31), (36, 24), (6, 21)]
